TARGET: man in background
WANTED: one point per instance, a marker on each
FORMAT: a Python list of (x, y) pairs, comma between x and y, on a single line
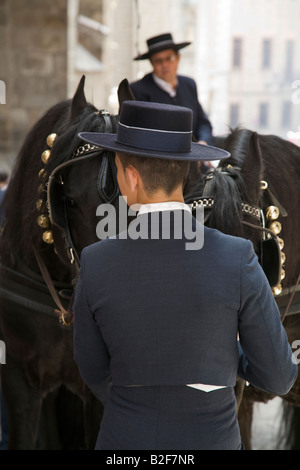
[(163, 85)]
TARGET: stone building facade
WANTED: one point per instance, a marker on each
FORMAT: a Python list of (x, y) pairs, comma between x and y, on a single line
[(32, 66), (244, 57)]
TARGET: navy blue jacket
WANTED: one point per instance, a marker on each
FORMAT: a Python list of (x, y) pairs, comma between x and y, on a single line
[(147, 90), (150, 312)]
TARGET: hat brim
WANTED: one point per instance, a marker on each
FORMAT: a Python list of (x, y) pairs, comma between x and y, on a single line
[(148, 54), (199, 152)]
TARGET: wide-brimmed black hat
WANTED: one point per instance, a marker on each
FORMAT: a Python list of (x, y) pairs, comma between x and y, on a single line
[(155, 130), (161, 43)]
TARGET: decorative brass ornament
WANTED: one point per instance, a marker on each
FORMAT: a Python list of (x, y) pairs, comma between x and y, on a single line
[(43, 221), (275, 227), (51, 139), (282, 274), (263, 184), (272, 213), (42, 173), (40, 188), (282, 257), (39, 204), (48, 237), (277, 289), (280, 242), (45, 156)]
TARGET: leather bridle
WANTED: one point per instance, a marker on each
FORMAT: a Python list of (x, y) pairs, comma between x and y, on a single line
[(83, 152)]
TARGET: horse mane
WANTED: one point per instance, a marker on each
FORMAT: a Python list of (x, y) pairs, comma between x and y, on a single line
[(226, 184), (20, 229), (19, 202)]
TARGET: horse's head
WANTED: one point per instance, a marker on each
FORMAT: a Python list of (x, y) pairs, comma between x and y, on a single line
[(232, 197), (81, 177)]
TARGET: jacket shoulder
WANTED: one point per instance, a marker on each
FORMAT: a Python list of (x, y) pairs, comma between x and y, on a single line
[(140, 84), (225, 241), (183, 79)]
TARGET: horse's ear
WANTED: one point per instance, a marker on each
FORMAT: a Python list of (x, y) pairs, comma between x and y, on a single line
[(124, 92), (252, 168), (79, 101)]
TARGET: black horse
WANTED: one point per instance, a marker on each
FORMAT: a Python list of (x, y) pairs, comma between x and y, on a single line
[(46, 401), (75, 179), (255, 194)]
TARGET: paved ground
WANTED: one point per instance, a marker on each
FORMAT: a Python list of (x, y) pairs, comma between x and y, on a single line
[(266, 425)]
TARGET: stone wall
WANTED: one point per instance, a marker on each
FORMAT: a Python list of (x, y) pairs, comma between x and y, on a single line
[(33, 66)]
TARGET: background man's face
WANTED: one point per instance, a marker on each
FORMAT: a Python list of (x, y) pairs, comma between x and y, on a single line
[(165, 64)]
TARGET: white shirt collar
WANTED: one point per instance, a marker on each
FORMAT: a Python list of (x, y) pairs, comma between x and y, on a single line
[(164, 85), (163, 206)]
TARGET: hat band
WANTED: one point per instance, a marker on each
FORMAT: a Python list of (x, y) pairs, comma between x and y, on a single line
[(154, 139), (161, 43)]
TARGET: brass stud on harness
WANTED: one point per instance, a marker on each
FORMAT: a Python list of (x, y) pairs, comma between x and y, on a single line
[(40, 188), (39, 204), (45, 156), (281, 243), (275, 227), (43, 221), (277, 290), (272, 213), (51, 139), (42, 173), (48, 237)]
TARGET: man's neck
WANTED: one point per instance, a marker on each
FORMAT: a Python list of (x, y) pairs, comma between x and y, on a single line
[(161, 196), (169, 87)]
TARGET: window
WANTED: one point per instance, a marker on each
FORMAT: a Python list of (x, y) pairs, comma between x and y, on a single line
[(286, 117), (266, 53), (289, 56), (234, 118), (237, 53), (263, 115)]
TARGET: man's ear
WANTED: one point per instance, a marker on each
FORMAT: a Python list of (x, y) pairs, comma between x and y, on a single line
[(133, 177)]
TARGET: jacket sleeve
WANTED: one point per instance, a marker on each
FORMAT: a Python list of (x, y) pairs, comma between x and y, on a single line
[(140, 92), (202, 123), (266, 359), (90, 351)]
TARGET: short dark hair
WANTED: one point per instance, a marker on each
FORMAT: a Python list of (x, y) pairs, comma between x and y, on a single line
[(158, 173)]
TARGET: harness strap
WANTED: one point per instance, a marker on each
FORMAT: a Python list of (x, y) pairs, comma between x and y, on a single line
[(275, 202), (17, 299), (207, 202), (65, 316)]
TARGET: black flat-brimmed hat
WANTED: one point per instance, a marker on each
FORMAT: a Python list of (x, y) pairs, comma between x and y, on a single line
[(155, 130), (161, 43)]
